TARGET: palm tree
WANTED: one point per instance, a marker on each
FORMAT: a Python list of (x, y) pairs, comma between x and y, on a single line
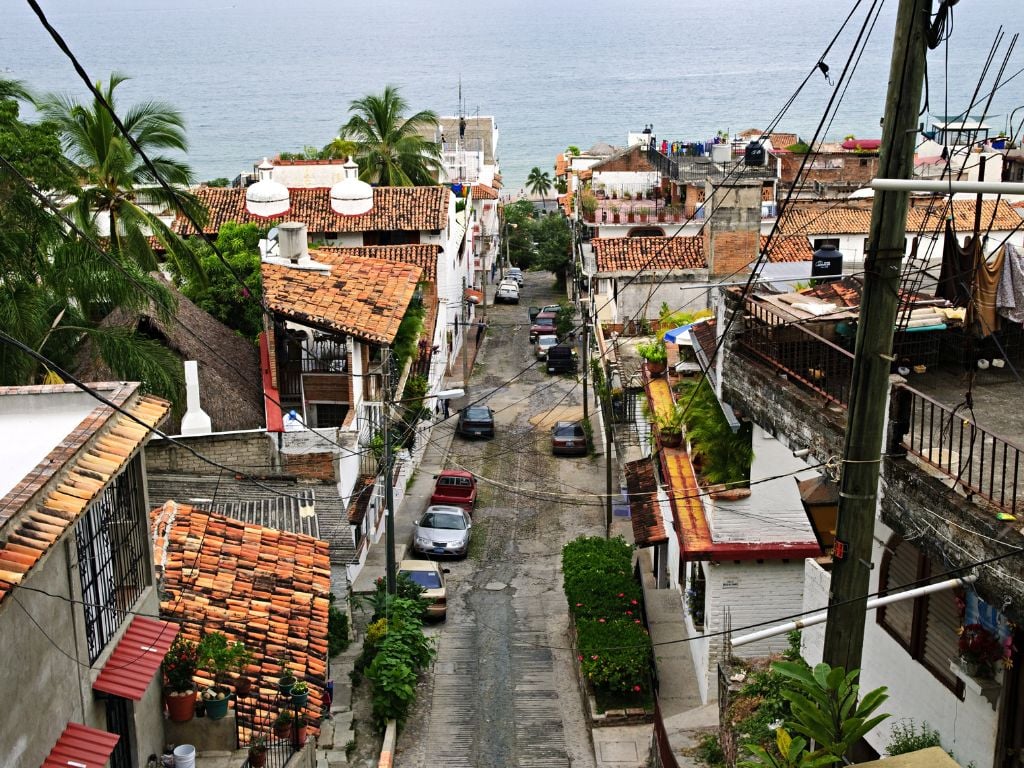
[(539, 183), (391, 149), (116, 183)]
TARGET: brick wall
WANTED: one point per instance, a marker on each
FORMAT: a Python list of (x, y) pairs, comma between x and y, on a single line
[(246, 451), (310, 466), (832, 168), (730, 252), (634, 160)]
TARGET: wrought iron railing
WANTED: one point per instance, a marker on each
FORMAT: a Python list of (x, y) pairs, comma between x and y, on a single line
[(256, 717), (795, 351), (978, 460)]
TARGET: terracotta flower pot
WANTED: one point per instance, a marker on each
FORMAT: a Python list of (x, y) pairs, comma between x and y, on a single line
[(258, 759), (282, 730), (181, 707), (243, 687), (655, 368), (670, 438)]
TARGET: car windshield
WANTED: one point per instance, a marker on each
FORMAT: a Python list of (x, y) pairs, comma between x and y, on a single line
[(425, 579), (545, 321), (547, 341), (478, 414), (443, 521), (568, 430)]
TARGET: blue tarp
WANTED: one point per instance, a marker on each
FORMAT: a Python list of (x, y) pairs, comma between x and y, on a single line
[(678, 335)]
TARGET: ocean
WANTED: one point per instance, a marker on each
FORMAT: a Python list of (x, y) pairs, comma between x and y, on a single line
[(256, 77)]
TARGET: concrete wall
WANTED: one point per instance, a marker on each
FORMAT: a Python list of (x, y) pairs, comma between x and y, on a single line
[(644, 296), (46, 670), (967, 727)]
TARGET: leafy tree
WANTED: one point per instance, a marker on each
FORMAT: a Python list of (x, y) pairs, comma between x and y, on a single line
[(219, 293), (554, 246), (220, 181), (573, 150), (390, 148), (519, 216), (538, 182), (115, 182), (50, 280)]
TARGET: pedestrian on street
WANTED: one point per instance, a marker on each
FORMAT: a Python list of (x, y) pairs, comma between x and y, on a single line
[(480, 328), (445, 405)]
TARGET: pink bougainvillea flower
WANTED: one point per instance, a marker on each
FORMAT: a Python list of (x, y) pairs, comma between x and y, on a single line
[(636, 688), (578, 605), (629, 613), (595, 657), (600, 621), (622, 594), (633, 602), (580, 658), (636, 621)]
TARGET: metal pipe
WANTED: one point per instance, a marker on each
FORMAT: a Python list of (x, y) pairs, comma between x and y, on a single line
[(979, 187), (818, 618)]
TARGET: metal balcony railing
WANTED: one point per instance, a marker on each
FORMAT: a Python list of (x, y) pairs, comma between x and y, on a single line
[(978, 460)]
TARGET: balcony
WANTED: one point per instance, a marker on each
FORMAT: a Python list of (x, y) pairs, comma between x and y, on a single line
[(953, 419)]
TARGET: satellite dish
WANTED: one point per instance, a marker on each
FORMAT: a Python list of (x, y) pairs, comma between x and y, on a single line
[(272, 234)]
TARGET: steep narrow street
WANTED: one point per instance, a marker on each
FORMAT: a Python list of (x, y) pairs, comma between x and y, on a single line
[(502, 691)]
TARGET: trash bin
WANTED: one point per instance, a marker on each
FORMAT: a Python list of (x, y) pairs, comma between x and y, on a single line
[(184, 756)]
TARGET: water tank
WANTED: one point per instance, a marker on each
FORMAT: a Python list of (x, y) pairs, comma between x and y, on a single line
[(827, 264), (754, 154)]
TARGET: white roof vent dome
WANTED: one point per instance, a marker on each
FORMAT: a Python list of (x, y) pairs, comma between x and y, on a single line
[(350, 196), (267, 197)]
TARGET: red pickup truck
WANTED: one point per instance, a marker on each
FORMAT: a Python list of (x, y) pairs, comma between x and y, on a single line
[(455, 487), (543, 324)]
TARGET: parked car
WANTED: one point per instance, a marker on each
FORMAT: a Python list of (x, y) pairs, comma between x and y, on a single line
[(562, 359), (514, 273), (476, 421), (543, 324), (534, 311), (456, 488), (543, 344), (442, 532), (429, 575), (507, 292), (568, 439)]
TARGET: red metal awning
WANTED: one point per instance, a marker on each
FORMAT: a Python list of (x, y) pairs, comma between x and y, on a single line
[(136, 659), (81, 747)]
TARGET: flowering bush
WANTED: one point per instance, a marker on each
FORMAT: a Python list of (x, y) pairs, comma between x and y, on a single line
[(180, 664), (614, 648), (615, 655), (979, 646)]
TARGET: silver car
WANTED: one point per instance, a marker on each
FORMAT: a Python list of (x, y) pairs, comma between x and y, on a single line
[(442, 531), (543, 344)]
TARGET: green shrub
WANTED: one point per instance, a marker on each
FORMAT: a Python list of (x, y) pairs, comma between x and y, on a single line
[(337, 629), (905, 737), (598, 578), (709, 751), (402, 652), (615, 656)]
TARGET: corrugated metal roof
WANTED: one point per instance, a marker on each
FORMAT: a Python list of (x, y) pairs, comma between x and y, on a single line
[(136, 659), (81, 747)]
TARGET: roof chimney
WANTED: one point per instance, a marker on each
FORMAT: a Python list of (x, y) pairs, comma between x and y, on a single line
[(195, 421), (292, 241)]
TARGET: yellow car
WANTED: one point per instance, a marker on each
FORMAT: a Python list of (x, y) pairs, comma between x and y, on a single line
[(430, 576)]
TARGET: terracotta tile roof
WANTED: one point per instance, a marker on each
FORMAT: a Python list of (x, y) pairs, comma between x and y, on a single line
[(561, 165), (645, 514), (566, 202), (39, 512), (783, 140), (366, 298), (265, 588), (788, 249), (484, 192), (423, 256), (362, 495), (630, 254), (410, 209), (852, 219)]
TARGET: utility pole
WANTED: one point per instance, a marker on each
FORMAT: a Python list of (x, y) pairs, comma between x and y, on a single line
[(389, 492), (844, 633)]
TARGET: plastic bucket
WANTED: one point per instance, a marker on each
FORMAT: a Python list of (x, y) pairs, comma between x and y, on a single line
[(184, 756)]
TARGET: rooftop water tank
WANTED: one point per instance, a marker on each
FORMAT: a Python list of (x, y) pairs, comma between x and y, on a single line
[(827, 264), (754, 154)]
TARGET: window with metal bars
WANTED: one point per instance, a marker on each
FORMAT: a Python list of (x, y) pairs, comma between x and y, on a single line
[(119, 721), (112, 539), (925, 626)]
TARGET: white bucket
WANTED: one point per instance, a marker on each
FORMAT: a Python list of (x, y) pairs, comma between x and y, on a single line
[(184, 756)]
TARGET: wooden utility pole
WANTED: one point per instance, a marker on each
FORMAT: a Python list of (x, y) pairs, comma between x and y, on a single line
[(389, 493), (844, 633)]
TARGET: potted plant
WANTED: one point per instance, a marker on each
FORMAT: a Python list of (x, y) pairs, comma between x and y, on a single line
[(631, 215), (979, 650), (670, 427), (220, 658), (283, 724), (179, 667), (615, 214), (302, 729), (661, 214), (655, 354), (300, 694), (286, 679), (258, 752), (643, 214)]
